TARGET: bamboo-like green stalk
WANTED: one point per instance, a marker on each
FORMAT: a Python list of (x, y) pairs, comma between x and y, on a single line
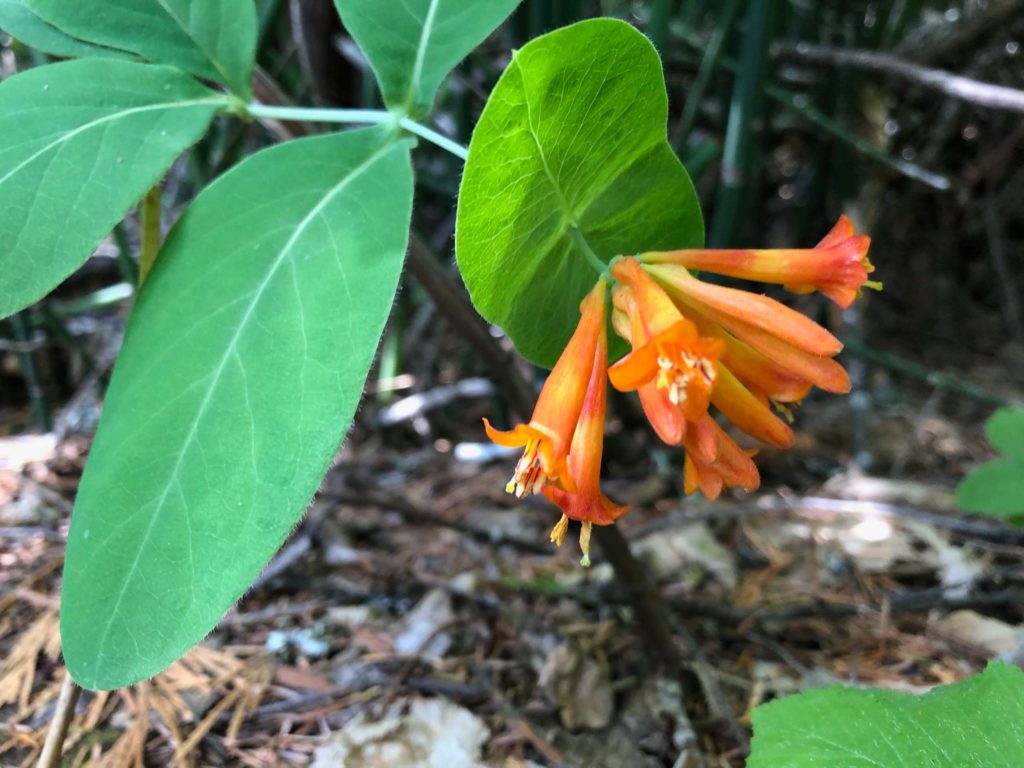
[(708, 62), (29, 371), (657, 27), (744, 108), (799, 104)]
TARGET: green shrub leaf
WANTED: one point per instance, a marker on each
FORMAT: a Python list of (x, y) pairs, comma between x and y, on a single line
[(994, 488), (215, 39), (997, 487), (242, 367), (572, 136), (1005, 430), (413, 44), (978, 723), (80, 143), (24, 24)]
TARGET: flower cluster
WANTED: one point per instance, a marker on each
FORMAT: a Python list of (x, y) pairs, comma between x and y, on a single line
[(694, 345)]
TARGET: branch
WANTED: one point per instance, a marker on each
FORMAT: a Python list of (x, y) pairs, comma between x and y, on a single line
[(955, 86)]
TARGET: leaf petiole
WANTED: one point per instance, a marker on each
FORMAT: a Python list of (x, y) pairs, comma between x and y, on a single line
[(357, 116), (588, 252)]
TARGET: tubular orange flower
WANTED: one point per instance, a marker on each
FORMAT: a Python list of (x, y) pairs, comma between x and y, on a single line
[(667, 350), (791, 341), (587, 503), (838, 266), (731, 466), (547, 438)]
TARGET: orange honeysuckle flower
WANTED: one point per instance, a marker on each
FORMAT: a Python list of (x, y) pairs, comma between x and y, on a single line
[(667, 348), (791, 341), (546, 439), (838, 266), (731, 466), (587, 503)]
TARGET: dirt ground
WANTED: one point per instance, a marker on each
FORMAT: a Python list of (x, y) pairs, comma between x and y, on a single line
[(419, 617)]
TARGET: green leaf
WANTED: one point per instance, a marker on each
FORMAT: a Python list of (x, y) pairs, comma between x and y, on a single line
[(215, 39), (80, 143), (241, 369), (24, 24), (994, 488), (573, 135), (413, 44), (997, 487), (978, 723), (1005, 430)]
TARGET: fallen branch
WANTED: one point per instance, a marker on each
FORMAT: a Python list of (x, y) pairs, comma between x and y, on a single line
[(955, 86)]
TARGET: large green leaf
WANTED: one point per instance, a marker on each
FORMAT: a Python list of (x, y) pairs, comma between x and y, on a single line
[(997, 487), (572, 137), (80, 143), (215, 39), (241, 369), (977, 723), (413, 44), (24, 24)]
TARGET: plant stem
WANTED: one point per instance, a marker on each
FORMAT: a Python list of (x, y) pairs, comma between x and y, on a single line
[(30, 372), (584, 246), (150, 240), (62, 717), (358, 116), (316, 115), (707, 67), (434, 138)]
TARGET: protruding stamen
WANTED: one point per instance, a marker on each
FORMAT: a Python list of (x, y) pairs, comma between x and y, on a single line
[(558, 532), (585, 530), (529, 476)]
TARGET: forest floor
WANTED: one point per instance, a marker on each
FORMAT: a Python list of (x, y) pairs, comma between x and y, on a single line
[(418, 616)]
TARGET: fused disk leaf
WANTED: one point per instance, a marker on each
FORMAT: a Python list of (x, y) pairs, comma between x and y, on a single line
[(215, 39), (413, 44), (241, 369), (978, 722), (24, 24), (80, 143), (572, 137)]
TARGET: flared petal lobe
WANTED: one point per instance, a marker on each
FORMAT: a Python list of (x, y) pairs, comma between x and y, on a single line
[(667, 349), (546, 439), (838, 266), (587, 503)]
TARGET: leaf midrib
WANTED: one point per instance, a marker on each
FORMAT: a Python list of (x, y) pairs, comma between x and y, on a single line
[(229, 351), (105, 119), (572, 216), (421, 55), (195, 41)]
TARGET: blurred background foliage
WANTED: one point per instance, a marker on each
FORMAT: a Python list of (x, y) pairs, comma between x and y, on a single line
[(786, 113)]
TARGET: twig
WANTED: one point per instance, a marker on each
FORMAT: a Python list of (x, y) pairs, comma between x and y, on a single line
[(62, 717), (964, 34), (799, 104), (995, 230), (651, 613), (918, 371), (953, 85), (452, 303)]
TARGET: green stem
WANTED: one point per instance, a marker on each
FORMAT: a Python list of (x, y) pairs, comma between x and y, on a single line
[(584, 246), (150, 241), (434, 138), (316, 115), (357, 116)]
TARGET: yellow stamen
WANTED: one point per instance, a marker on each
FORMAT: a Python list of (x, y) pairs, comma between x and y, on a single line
[(529, 474), (785, 409), (558, 532), (585, 531)]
